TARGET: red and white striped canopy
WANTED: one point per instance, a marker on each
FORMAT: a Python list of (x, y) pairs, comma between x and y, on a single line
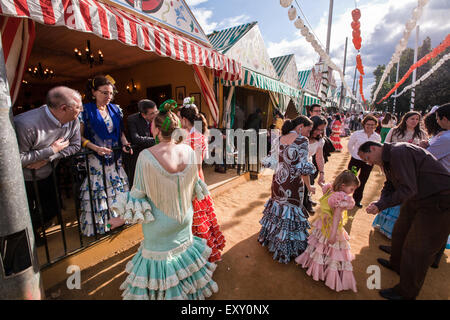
[(113, 23)]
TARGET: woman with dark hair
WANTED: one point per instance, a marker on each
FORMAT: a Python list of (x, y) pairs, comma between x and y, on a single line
[(336, 133), (408, 130), (171, 263), (101, 127), (285, 222), (204, 224), (386, 125)]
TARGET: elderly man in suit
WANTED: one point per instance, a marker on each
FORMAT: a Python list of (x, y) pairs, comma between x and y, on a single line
[(139, 132)]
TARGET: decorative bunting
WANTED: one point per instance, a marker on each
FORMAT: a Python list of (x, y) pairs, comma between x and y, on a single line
[(401, 46), (426, 75), (436, 51)]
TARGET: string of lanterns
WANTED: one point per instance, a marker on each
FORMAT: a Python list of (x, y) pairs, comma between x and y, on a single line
[(292, 13), (356, 15), (401, 46), (436, 51), (426, 75)]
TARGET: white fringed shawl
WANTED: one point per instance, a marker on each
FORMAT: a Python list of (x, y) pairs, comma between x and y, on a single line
[(170, 192)]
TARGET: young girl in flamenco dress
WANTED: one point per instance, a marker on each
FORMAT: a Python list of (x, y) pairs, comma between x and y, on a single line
[(328, 256)]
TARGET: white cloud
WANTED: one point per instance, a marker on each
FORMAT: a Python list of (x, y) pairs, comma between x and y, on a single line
[(193, 3), (203, 15)]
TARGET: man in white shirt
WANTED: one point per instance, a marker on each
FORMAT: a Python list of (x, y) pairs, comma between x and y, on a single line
[(368, 133)]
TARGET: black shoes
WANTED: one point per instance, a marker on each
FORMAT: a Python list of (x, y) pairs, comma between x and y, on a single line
[(359, 205), (386, 249), (390, 294), (385, 263)]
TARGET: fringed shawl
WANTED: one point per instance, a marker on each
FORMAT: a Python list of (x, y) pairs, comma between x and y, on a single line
[(170, 192)]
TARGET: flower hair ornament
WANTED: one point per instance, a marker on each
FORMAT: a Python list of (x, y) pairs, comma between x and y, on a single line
[(164, 108), (354, 170), (188, 102)]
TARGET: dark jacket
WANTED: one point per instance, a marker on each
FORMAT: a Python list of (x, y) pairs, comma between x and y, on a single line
[(139, 132), (140, 138), (412, 173)]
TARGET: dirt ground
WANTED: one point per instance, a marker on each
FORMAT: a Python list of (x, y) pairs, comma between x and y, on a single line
[(247, 270)]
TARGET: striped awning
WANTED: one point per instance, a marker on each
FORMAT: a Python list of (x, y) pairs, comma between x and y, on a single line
[(257, 80), (303, 77), (280, 63), (225, 39), (309, 100), (112, 23)]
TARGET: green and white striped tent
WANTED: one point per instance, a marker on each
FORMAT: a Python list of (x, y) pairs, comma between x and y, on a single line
[(257, 80), (245, 44), (225, 39), (305, 81)]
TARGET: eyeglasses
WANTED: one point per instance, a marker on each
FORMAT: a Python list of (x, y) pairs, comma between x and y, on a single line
[(106, 93)]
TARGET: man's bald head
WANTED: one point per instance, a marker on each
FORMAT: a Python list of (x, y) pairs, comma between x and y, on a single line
[(62, 95)]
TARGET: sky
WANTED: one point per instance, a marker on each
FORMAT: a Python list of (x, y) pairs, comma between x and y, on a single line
[(382, 26)]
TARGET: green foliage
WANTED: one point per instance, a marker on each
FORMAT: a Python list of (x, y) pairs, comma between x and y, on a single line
[(433, 91)]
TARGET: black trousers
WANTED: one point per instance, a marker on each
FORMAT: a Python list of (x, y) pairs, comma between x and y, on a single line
[(419, 232), (48, 201), (364, 173)]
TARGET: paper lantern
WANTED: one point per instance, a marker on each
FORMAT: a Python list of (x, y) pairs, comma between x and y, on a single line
[(299, 23), (356, 14), (355, 25), (292, 13), (356, 33), (304, 32), (285, 3)]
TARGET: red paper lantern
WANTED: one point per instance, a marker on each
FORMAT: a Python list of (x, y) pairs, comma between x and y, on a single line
[(356, 25), (356, 34), (356, 14)]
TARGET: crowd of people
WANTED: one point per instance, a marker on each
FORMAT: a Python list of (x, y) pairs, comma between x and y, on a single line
[(165, 190), (413, 162)]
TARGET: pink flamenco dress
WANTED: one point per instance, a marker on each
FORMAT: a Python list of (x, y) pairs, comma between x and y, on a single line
[(204, 224), (330, 262), (336, 135)]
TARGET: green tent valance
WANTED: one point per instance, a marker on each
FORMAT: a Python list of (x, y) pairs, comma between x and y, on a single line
[(309, 100), (254, 79)]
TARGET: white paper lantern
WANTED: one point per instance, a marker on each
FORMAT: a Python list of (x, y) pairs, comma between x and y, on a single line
[(285, 3), (410, 25), (292, 13), (309, 37), (299, 23), (417, 12), (304, 32), (422, 3)]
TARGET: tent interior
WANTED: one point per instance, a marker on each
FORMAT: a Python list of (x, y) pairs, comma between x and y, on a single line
[(155, 77)]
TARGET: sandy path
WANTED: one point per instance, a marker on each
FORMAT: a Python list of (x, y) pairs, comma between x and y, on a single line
[(247, 270)]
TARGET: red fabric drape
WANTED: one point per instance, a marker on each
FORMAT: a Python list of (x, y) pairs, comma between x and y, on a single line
[(17, 40)]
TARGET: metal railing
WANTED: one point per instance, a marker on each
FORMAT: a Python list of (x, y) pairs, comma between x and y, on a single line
[(68, 177), (74, 170)]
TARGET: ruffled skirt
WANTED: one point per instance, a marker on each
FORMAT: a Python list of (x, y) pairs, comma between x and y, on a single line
[(284, 230), (183, 276), (336, 140), (385, 220), (329, 263), (116, 183), (205, 226)]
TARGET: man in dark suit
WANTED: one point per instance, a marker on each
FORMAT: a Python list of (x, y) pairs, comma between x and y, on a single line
[(139, 132)]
